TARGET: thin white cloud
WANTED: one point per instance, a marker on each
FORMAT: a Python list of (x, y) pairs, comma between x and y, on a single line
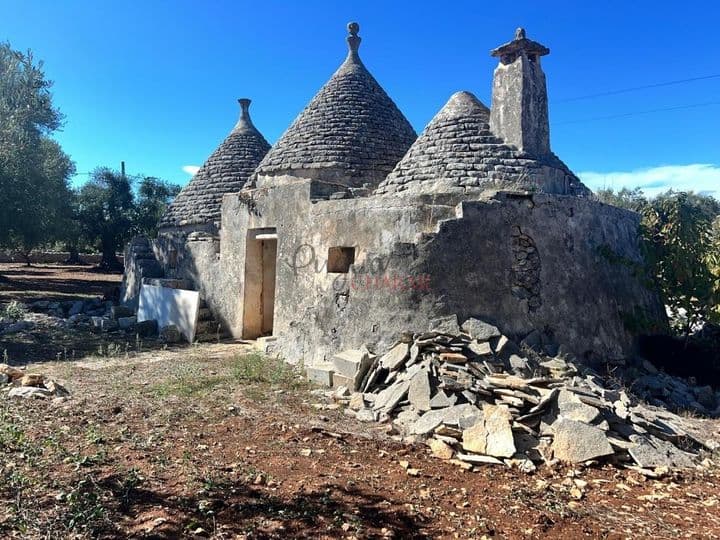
[(191, 169), (697, 177)]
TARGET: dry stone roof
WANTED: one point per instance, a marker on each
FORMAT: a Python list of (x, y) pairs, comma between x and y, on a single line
[(225, 171), (351, 126), (457, 151)]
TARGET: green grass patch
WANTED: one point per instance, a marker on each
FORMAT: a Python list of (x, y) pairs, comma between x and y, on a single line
[(255, 368)]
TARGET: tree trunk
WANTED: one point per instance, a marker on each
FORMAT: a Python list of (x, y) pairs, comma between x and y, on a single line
[(74, 256), (109, 259), (26, 256)]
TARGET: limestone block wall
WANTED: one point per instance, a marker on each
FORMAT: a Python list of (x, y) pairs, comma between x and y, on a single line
[(568, 266), (565, 265)]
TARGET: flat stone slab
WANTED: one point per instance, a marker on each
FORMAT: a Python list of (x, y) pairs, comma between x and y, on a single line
[(419, 391), (479, 330), (571, 407), (650, 452), (576, 442), (445, 325), (396, 357), (442, 400), (451, 415), (388, 399), (492, 434)]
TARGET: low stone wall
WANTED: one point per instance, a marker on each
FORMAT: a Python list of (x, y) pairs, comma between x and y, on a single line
[(49, 257)]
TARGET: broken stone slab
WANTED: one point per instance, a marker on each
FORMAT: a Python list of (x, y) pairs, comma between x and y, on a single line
[(492, 434), (509, 381), (571, 407), (441, 449), (405, 419), (522, 463), (450, 415), (365, 415), (357, 401), (442, 400), (577, 442), (479, 330), (453, 358), (650, 452), (388, 399), (419, 391), (445, 325), (396, 357), (478, 459), (28, 392), (483, 350), (321, 374)]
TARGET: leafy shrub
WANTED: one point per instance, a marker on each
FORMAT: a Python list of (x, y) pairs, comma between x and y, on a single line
[(13, 311), (681, 234)]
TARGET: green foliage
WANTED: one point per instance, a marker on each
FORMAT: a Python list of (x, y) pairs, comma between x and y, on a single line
[(677, 228), (630, 199), (152, 199), (681, 233), (13, 311), (109, 211), (105, 211), (34, 171)]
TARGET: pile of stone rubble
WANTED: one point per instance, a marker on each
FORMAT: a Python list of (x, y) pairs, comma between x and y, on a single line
[(20, 384), (475, 397)]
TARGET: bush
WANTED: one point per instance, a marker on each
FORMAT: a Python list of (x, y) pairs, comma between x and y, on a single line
[(14, 311)]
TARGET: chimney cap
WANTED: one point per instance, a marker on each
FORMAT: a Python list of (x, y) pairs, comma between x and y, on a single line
[(519, 44)]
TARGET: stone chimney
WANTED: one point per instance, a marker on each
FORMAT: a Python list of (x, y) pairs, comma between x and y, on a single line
[(519, 112)]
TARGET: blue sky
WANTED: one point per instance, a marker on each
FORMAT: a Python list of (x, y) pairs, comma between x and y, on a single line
[(154, 83)]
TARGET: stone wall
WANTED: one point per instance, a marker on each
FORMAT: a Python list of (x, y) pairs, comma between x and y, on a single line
[(567, 266)]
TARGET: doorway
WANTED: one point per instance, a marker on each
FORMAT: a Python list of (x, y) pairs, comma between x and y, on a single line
[(260, 272)]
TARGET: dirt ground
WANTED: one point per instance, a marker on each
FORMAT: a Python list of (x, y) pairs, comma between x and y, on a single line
[(53, 282), (217, 441)]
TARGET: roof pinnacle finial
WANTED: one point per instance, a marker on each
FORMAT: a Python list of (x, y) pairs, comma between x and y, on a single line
[(520, 33), (244, 121), (353, 39)]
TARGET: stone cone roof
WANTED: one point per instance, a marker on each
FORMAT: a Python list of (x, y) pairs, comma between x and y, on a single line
[(351, 128), (225, 171), (457, 151)]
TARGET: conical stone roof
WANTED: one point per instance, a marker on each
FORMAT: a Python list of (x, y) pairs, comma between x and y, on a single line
[(225, 171), (351, 132), (457, 152)]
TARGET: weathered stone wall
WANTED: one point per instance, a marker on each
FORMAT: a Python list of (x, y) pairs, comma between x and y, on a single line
[(568, 266)]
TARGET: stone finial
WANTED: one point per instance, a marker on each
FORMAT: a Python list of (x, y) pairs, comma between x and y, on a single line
[(353, 39), (520, 33), (244, 122)]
